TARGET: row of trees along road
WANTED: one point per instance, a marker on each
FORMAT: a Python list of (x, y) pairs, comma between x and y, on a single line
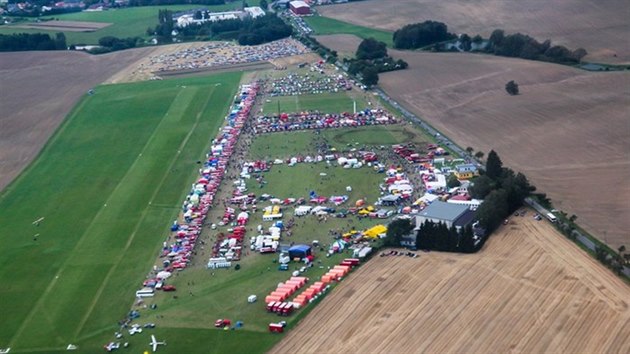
[(502, 190)]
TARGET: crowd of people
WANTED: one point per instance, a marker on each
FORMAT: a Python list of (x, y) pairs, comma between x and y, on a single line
[(317, 120), (314, 82), (216, 54), (176, 252)]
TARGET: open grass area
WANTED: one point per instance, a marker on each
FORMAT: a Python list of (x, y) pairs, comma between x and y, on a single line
[(336, 102), (108, 184), (205, 295), (299, 180), (284, 145), (324, 25), (126, 22)]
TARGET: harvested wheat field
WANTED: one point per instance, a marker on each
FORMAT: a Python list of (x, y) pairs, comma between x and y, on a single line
[(529, 290), (599, 26), (68, 26), (38, 90), (344, 44), (567, 131)]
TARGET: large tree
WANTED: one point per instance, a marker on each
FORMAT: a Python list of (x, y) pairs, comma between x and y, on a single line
[(453, 182), (370, 48), (370, 75), (493, 210), (481, 187), (512, 88), (396, 230), (494, 166)]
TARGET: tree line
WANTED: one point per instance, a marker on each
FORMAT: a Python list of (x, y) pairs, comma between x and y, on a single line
[(502, 190), (439, 237), (519, 45), (111, 44), (32, 41), (174, 2), (247, 31), (433, 236), (422, 34), (371, 58), (434, 34)]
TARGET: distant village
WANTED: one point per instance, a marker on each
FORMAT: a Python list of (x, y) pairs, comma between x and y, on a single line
[(34, 8)]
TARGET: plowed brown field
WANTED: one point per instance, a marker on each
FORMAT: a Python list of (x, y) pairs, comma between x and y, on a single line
[(529, 291), (568, 130), (38, 90), (599, 26)]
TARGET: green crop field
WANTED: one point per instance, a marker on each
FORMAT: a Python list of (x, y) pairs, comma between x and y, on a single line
[(108, 185), (126, 22), (324, 25), (336, 102)]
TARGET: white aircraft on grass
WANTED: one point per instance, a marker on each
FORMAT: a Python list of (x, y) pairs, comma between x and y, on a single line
[(155, 343)]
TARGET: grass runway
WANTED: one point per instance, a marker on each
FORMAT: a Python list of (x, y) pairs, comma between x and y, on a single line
[(108, 184)]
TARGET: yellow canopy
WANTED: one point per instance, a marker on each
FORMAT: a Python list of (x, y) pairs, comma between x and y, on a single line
[(375, 231)]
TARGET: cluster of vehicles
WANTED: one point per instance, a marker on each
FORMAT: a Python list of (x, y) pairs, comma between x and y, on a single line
[(398, 253), (280, 308), (412, 155)]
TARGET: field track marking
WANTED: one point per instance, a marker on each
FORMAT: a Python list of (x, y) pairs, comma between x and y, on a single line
[(50, 286), (141, 219)]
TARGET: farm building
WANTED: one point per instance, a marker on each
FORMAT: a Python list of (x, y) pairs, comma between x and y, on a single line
[(466, 171), (300, 8), (186, 18), (451, 214)]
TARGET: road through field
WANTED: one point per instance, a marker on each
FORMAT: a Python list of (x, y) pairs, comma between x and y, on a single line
[(529, 290)]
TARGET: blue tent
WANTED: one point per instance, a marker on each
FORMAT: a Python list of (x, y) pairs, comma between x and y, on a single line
[(299, 251)]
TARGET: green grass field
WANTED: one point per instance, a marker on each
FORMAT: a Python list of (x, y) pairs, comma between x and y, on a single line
[(284, 145), (108, 184), (126, 22), (324, 25), (336, 102)]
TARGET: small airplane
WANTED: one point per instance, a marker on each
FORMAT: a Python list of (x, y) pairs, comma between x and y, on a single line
[(155, 343)]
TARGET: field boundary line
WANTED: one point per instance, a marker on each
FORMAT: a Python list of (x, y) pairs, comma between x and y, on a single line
[(142, 217), (79, 243)]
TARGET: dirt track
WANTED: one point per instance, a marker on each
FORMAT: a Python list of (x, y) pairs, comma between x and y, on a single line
[(529, 291), (38, 90), (599, 26)]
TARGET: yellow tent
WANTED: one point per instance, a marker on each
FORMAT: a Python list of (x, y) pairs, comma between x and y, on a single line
[(375, 231)]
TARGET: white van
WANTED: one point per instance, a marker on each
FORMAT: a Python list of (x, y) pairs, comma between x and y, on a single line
[(551, 217), (145, 292)]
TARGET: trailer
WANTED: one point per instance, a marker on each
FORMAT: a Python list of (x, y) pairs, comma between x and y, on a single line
[(287, 309), (270, 306), (276, 328)]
